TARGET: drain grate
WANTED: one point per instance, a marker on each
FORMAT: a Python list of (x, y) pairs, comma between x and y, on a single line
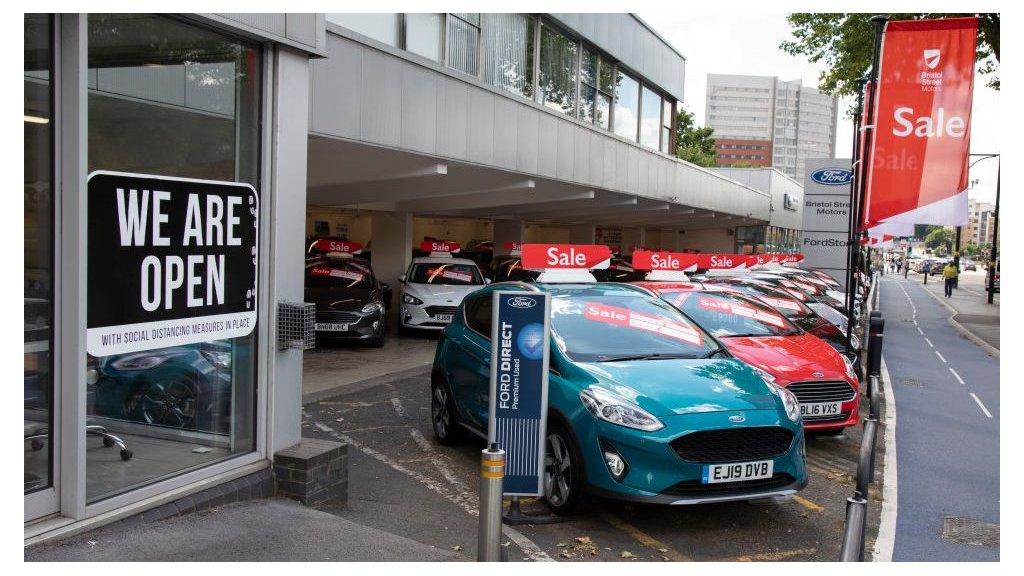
[(972, 531), (912, 382)]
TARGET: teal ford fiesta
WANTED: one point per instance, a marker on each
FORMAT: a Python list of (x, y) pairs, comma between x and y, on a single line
[(643, 404)]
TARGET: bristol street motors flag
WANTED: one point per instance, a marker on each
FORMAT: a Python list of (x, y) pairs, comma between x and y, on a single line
[(917, 170)]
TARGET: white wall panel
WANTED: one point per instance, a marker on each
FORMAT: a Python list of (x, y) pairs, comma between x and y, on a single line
[(506, 136), (547, 143), (381, 90), (564, 152), (481, 127), (452, 128), (419, 109), (527, 154)]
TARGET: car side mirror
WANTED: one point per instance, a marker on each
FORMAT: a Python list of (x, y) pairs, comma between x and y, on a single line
[(487, 281), (402, 278)]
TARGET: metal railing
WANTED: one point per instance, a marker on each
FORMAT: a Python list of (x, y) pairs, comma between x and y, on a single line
[(852, 549)]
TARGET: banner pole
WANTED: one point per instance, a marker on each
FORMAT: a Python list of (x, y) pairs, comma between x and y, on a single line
[(995, 240), (851, 241)]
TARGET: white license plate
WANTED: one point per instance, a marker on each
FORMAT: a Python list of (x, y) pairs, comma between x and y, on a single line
[(443, 317), (820, 409), (718, 473), (331, 327)]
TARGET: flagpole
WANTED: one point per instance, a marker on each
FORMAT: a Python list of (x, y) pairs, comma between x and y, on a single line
[(857, 192), (851, 241)]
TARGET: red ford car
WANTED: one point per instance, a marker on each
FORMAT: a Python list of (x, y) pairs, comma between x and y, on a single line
[(822, 379)]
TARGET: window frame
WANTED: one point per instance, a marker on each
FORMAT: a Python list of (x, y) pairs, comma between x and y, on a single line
[(444, 43)]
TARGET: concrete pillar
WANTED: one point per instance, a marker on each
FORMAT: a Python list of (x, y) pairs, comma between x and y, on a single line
[(391, 248), (288, 216), (582, 234), (507, 231)]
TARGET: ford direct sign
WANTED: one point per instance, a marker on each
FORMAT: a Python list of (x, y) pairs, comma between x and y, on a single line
[(832, 176)]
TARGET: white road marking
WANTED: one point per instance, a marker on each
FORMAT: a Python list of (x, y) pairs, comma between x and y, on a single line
[(397, 403), (940, 356), (463, 498), (980, 405), (887, 524), (929, 342), (957, 376), (919, 331), (437, 461)]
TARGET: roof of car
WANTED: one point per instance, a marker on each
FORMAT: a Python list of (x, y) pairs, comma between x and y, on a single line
[(441, 260)]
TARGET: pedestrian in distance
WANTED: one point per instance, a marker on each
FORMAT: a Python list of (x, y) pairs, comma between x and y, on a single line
[(949, 273)]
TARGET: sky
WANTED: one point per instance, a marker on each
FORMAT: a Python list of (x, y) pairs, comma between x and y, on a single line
[(749, 44)]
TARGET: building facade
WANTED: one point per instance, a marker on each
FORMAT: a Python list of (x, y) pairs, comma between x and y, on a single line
[(980, 223), (785, 224), (765, 121), (386, 127)]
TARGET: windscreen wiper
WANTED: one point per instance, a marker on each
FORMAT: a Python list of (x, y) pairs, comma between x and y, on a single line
[(714, 353), (656, 356)]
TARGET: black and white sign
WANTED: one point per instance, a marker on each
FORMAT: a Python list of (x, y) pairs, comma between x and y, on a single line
[(826, 216), (171, 261)]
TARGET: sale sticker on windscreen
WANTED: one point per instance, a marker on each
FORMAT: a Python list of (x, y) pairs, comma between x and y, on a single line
[(780, 303), (336, 273), (627, 318), (444, 272), (727, 307)]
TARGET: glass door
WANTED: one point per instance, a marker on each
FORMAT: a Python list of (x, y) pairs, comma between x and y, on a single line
[(41, 453)]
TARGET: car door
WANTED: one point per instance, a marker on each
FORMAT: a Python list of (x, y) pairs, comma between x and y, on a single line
[(472, 373)]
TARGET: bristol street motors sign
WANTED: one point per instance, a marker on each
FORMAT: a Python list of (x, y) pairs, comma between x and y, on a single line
[(171, 261)]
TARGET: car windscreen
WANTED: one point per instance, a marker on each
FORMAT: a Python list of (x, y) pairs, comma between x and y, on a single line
[(594, 326), (829, 313), (727, 315), (338, 274), (445, 273), (779, 300)]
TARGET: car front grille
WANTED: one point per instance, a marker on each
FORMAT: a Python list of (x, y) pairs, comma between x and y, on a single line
[(438, 310), (340, 316), (841, 417), (812, 392), (733, 445), (695, 488)]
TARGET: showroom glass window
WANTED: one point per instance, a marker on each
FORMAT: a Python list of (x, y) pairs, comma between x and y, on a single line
[(508, 52), (39, 251), (595, 89), (423, 35), (559, 56), (463, 42), (627, 105), (650, 118), (666, 126), (174, 99)]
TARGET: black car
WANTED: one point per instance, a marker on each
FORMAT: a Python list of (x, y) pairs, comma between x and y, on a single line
[(351, 303), (510, 269)]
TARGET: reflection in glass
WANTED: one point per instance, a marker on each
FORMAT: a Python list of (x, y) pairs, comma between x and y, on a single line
[(172, 99), (463, 42), (650, 120), (627, 106), (508, 52), (39, 219), (557, 81), (423, 35), (666, 126)]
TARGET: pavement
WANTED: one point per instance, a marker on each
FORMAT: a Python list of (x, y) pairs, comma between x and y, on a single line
[(252, 531), (946, 393), (969, 305)]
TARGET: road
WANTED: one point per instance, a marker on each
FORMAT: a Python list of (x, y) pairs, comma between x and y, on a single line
[(946, 392), (402, 482)]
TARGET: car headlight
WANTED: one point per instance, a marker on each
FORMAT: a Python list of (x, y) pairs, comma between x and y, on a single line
[(617, 410), (850, 372), (791, 404), (373, 307), (854, 341), (409, 299), (218, 358), (767, 377)]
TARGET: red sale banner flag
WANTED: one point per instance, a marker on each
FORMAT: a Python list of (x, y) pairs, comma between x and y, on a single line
[(917, 162)]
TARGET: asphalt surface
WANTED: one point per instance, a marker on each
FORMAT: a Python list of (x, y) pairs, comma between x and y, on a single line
[(401, 481), (946, 391)]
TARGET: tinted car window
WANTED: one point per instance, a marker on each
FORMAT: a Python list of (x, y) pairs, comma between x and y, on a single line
[(338, 274), (779, 300), (728, 315), (443, 273), (591, 325), (478, 310)]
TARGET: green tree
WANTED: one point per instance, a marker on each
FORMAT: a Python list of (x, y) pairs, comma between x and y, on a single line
[(843, 42), (940, 239), (694, 144), (921, 231)]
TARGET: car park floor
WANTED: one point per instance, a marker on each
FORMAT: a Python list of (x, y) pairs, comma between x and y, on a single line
[(401, 481), (946, 390)]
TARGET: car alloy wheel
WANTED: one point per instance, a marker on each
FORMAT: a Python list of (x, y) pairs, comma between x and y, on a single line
[(439, 411), (169, 403), (557, 471)]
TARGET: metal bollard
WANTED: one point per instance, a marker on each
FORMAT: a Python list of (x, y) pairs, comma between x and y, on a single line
[(865, 459), (876, 330), (492, 473), (852, 549)]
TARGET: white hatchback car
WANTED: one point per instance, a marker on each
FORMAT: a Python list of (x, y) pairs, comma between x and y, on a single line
[(433, 288)]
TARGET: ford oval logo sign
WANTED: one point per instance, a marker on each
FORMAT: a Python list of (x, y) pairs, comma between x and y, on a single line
[(737, 418), (522, 302), (832, 176)]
